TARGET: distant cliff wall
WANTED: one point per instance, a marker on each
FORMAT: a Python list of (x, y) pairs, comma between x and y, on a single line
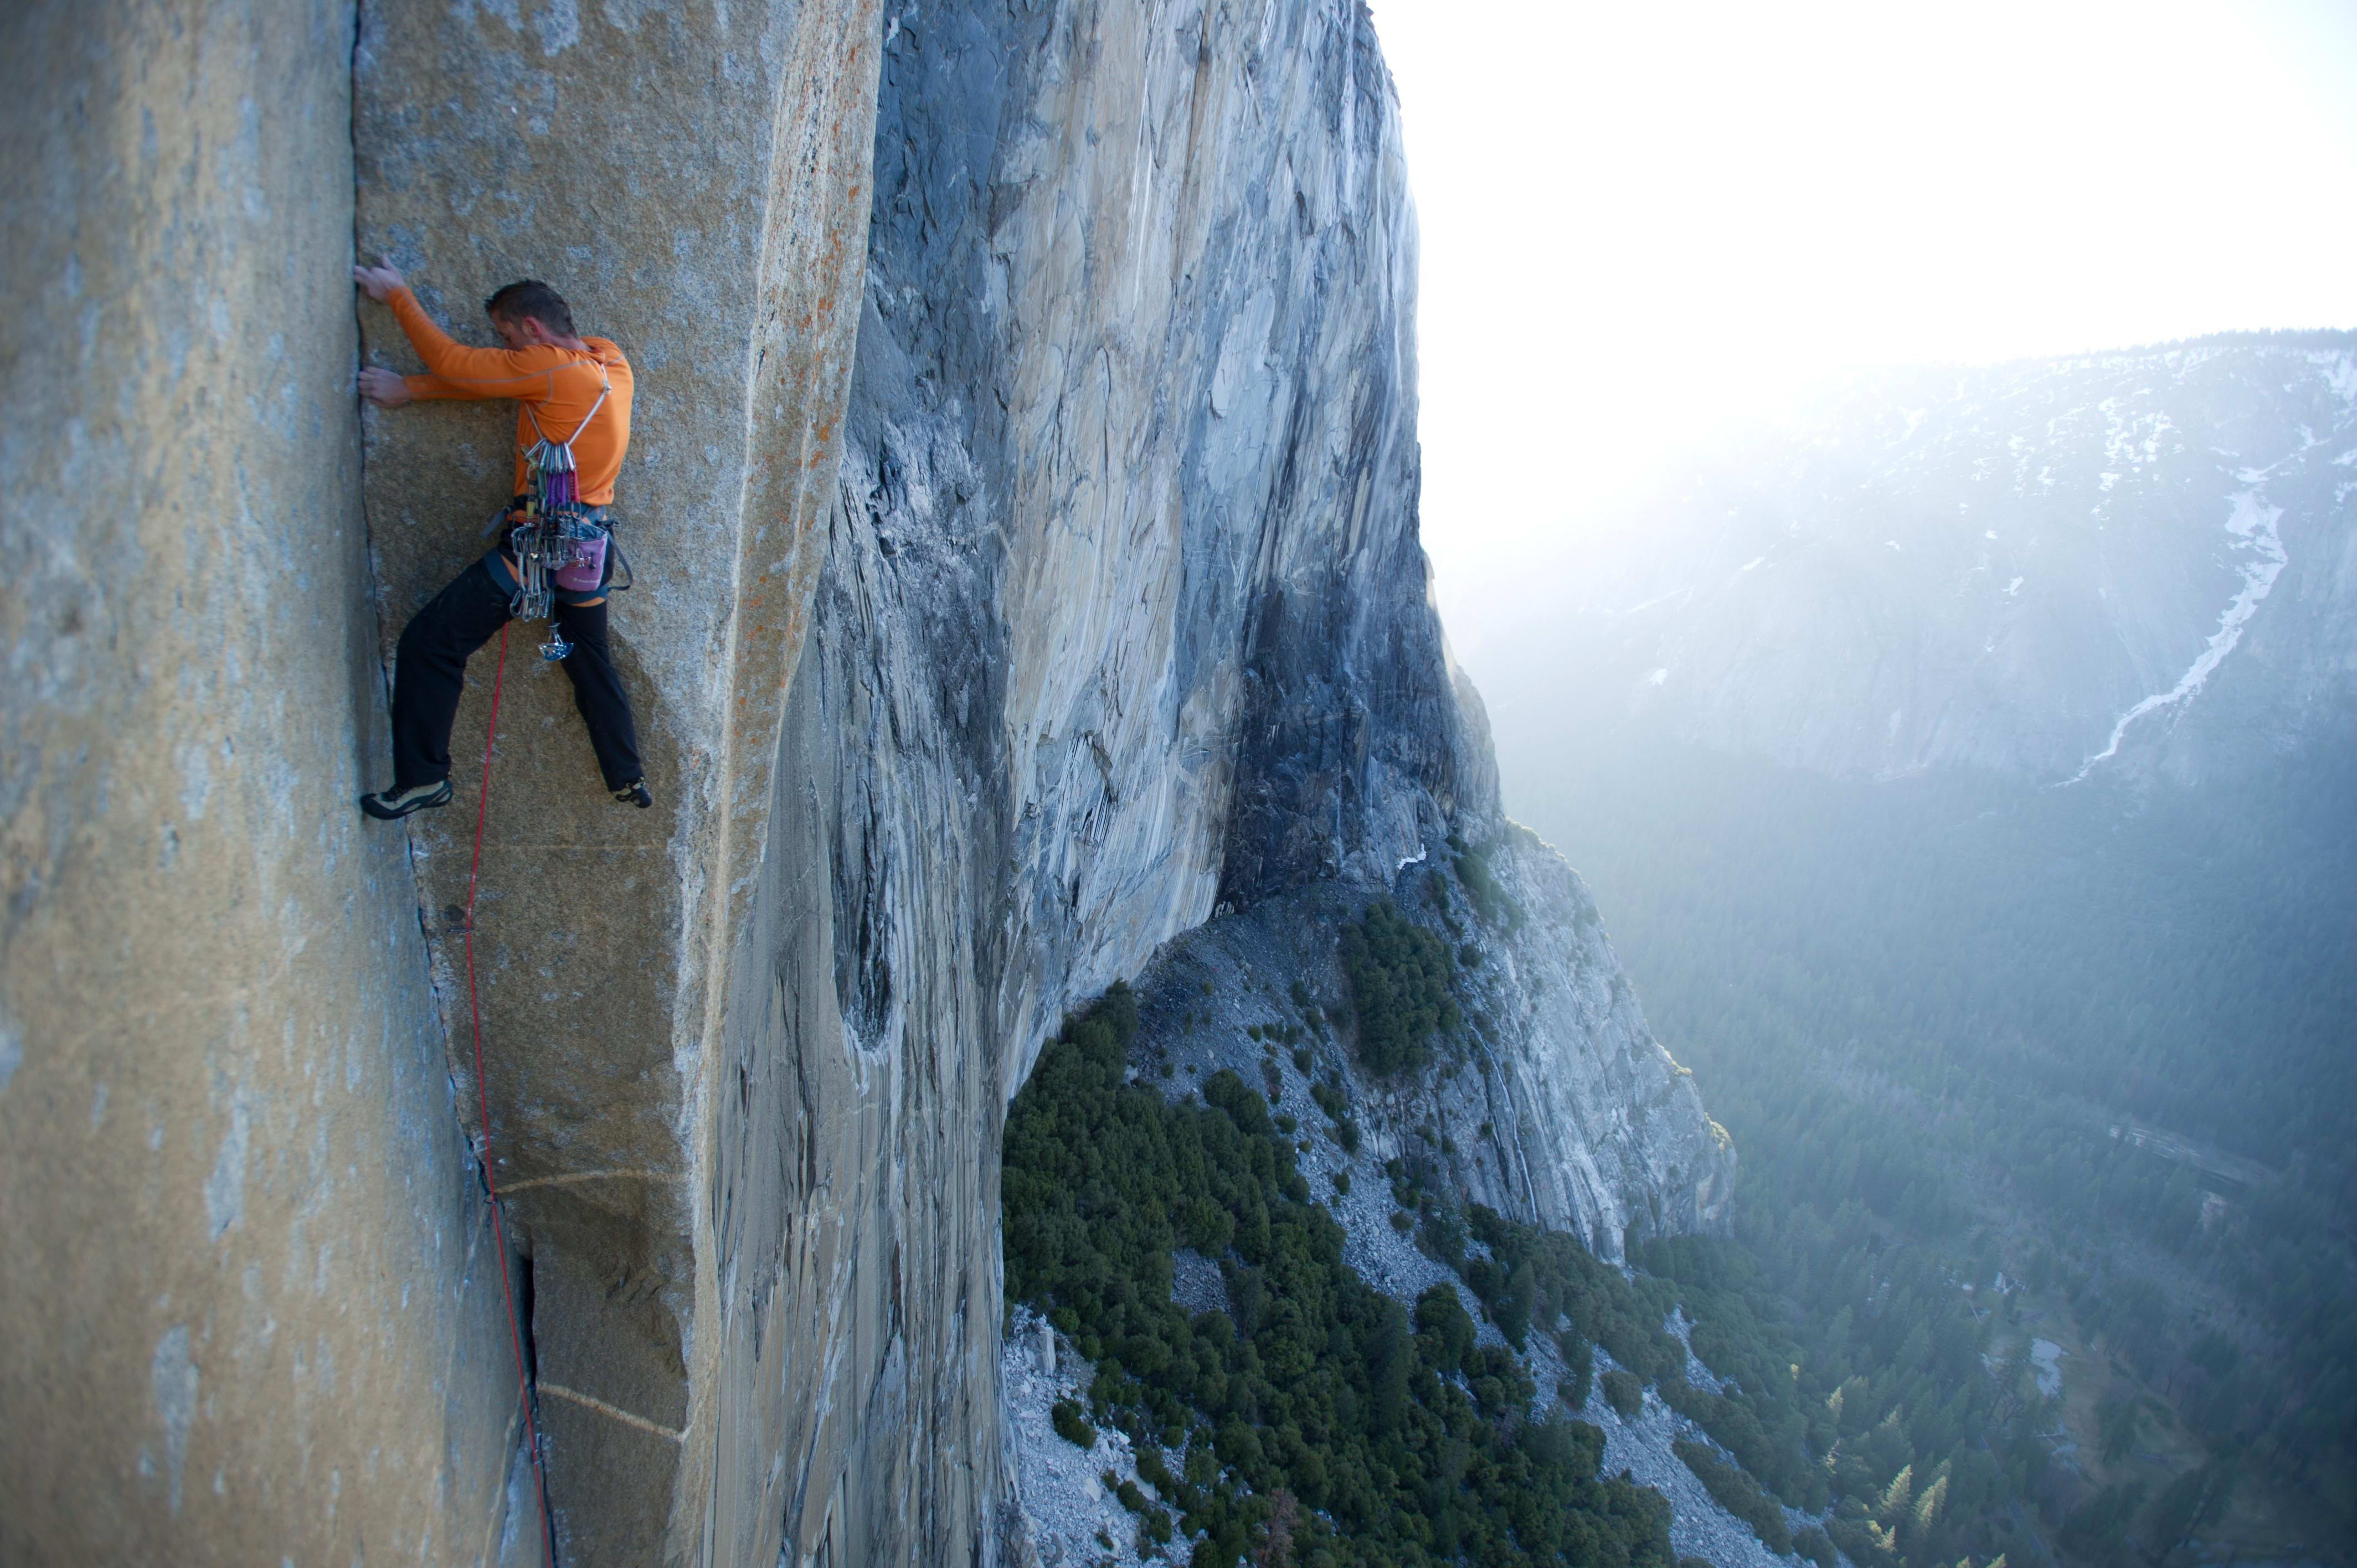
[(1122, 597), (1123, 620), (2127, 565), (250, 1311)]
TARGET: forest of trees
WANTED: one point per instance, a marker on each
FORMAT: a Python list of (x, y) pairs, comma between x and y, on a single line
[(1317, 1411), (2104, 1049)]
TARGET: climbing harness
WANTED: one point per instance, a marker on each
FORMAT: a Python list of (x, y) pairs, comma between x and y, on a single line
[(483, 1098), (559, 545)]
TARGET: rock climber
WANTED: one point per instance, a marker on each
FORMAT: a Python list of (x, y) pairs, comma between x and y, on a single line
[(575, 391)]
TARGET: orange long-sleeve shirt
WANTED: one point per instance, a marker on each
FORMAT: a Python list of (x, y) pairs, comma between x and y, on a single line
[(557, 387)]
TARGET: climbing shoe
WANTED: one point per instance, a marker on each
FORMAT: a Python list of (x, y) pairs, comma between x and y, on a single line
[(634, 793), (386, 805)]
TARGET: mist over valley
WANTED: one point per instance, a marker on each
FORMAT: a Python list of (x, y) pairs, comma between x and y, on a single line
[(1964, 767)]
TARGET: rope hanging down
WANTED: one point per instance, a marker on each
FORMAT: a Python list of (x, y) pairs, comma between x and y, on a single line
[(483, 1096)]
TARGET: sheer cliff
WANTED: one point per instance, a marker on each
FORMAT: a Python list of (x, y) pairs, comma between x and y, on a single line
[(1124, 624), (1024, 505), (250, 1308)]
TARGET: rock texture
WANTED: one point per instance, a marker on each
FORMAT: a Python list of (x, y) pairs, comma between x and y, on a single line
[(693, 180), (1124, 621), (250, 1311), (1082, 603), (1559, 1107)]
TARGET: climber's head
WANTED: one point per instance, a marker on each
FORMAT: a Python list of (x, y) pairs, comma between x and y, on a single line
[(530, 314)]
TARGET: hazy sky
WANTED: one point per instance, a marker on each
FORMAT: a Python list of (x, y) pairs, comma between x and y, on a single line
[(1640, 220)]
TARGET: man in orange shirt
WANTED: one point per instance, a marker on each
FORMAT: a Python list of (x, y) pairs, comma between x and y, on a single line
[(573, 391)]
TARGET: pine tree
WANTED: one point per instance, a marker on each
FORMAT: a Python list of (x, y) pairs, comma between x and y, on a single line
[(1896, 1498), (1934, 1498)]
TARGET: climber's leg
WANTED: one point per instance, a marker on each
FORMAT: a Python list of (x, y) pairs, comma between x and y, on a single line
[(432, 670), (605, 706)]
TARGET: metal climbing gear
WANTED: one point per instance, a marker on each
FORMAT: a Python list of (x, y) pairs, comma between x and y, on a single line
[(557, 546)]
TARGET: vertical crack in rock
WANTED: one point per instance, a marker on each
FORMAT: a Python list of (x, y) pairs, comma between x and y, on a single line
[(696, 182)]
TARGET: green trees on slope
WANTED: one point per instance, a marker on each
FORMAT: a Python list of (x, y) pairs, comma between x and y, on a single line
[(1923, 1006), (1851, 1363), (1316, 1407), (1399, 975)]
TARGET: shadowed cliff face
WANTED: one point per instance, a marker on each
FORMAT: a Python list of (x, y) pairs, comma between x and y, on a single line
[(1123, 617)]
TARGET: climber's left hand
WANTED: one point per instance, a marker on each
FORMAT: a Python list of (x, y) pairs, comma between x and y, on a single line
[(379, 281)]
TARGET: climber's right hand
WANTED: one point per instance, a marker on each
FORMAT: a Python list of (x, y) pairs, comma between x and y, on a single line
[(384, 388)]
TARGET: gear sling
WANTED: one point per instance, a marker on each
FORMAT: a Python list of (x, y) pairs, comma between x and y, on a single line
[(559, 546), (563, 553)]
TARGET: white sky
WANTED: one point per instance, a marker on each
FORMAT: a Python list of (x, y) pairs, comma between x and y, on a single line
[(1642, 218)]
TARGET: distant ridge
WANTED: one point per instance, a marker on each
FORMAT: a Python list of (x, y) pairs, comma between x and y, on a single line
[(2274, 337), (2325, 338)]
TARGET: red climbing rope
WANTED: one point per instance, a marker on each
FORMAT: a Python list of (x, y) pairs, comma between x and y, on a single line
[(483, 1094)]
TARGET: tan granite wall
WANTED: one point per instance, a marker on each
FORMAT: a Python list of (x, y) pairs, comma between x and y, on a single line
[(249, 1311), (694, 179)]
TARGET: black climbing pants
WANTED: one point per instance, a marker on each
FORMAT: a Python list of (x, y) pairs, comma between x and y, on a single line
[(433, 669)]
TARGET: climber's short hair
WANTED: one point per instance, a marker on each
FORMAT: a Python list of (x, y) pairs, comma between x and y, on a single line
[(533, 298)]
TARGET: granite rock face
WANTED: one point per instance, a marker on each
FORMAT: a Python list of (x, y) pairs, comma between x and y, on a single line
[(1123, 624), (693, 180), (250, 1311), (1601, 1133), (1128, 491), (1079, 604)]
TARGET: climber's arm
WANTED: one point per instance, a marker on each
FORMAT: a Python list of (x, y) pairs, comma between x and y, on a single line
[(452, 369)]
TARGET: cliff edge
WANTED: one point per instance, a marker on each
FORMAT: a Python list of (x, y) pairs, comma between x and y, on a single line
[(1023, 512), (1124, 627)]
